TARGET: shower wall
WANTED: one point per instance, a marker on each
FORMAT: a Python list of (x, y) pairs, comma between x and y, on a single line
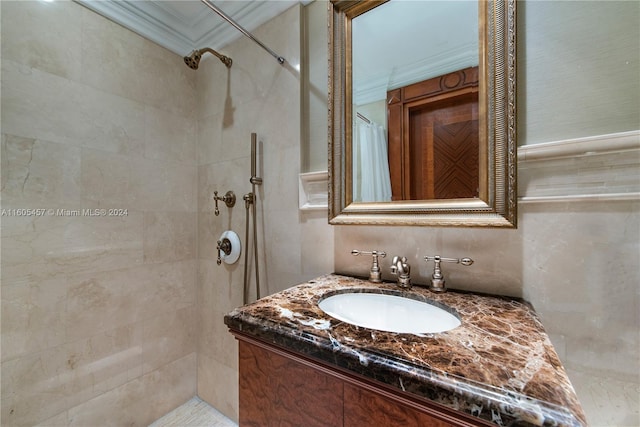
[(255, 95), (99, 286)]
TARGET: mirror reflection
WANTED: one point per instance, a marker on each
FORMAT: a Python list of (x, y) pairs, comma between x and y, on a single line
[(415, 101), (481, 96)]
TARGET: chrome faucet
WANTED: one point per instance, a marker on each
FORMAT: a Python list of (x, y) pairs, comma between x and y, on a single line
[(401, 268)]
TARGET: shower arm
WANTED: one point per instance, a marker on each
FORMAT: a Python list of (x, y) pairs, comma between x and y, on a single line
[(225, 59), (224, 16)]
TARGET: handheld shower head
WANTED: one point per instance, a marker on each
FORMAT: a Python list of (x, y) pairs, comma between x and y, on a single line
[(193, 59)]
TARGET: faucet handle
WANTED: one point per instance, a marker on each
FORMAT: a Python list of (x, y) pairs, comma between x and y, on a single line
[(229, 199), (437, 279), (438, 259), (374, 274)]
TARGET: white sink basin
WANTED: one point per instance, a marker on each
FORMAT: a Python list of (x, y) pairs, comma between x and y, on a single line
[(389, 313)]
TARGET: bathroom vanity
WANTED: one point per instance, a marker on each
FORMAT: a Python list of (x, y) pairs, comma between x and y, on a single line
[(300, 366)]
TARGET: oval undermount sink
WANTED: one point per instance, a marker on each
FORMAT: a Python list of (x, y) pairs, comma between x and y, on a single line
[(389, 313)]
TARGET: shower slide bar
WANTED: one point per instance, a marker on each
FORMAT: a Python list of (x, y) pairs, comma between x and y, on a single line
[(224, 16), (250, 201)]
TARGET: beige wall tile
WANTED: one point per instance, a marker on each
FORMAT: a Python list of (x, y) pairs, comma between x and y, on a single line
[(281, 168), (214, 87), (209, 139), (32, 317), (26, 243), (169, 236), (98, 117), (41, 247), (102, 362), (120, 62), (116, 181), (573, 251), (216, 295), (132, 404), (102, 243), (112, 59), (169, 137), (34, 387), (54, 47), (102, 300), (215, 299), (166, 186), (40, 174), (169, 84), (60, 420), (316, 244), (110, 180), (168, 337), (601, 395), (218, 385), (44, 106)]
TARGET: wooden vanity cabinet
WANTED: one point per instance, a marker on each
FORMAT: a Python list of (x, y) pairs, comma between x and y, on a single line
[(282, 388)]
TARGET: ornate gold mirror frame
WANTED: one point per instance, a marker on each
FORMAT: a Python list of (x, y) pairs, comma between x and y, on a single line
[(497, 202)]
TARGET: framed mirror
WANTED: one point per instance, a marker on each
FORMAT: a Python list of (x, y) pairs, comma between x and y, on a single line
[(409, 80)]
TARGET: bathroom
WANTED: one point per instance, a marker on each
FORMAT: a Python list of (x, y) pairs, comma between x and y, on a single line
[(117, 320)]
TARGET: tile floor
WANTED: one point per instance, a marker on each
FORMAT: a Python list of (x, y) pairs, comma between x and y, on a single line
[(194, 413)]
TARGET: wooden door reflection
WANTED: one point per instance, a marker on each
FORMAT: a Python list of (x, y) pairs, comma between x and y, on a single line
[(434, 138)]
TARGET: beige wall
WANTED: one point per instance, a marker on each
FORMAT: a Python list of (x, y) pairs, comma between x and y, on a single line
[(314, 90), (98, 313), (578, 69)]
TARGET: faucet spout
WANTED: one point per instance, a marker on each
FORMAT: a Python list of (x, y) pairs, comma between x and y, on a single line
[(401, 268)]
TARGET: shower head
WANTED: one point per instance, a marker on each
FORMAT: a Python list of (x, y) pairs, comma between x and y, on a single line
[(193, 59)]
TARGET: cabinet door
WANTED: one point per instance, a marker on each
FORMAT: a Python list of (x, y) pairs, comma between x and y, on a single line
[(366, 408), (278, 391)]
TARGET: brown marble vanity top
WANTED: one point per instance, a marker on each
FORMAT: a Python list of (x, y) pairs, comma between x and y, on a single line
[(498, 365)]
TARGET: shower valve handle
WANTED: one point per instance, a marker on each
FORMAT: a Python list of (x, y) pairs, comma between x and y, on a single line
[(224, 245), (229, 199)]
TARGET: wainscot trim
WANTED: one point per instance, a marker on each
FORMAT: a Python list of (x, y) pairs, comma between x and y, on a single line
[(603, 168)]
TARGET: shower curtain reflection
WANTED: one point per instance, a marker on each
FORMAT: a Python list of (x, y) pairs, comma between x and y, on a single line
[(371, 180)]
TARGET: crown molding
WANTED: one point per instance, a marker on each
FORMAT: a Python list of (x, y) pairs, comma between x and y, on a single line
[(374, 88), (166, 26)]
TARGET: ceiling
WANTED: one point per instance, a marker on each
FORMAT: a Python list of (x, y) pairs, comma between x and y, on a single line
[(443, 34), (404, 42), (184, 25)]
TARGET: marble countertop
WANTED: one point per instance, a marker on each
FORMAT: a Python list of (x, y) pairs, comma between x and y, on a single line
[(499, 365)]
